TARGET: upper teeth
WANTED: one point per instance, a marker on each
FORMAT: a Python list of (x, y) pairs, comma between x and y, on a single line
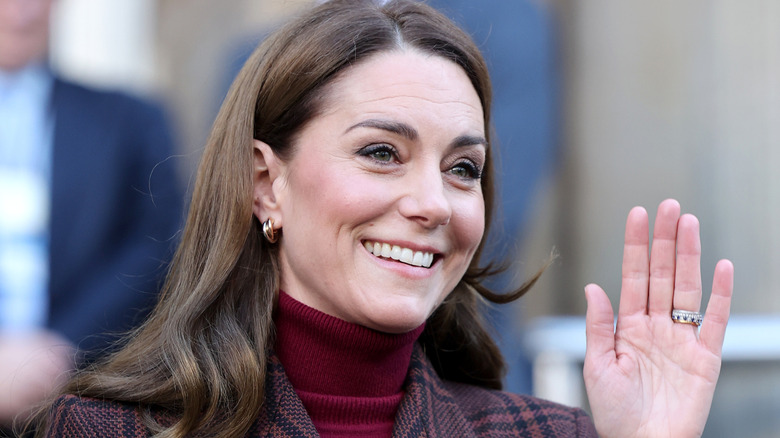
[(404, 255)]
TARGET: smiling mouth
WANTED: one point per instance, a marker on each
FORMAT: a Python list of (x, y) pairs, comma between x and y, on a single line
[(401, 254)]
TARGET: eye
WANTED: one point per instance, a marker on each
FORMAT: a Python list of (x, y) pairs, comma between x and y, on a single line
[(466, 169), (383, 153)]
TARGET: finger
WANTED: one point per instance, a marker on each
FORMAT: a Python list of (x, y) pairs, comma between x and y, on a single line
[(662, 258), (633, 293), (599, 323), (713, 328), (687, 282)]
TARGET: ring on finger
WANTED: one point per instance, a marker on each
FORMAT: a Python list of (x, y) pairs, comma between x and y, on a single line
[(687, 317)]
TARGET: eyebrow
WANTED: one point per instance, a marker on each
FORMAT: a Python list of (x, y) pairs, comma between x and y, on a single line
[(410, 133), (469, 140), (399, 128)]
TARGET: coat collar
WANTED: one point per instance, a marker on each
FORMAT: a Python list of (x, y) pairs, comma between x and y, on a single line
[(427, 408)]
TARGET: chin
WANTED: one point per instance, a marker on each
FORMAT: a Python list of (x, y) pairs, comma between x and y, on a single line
[(397, 322), (396, 313)]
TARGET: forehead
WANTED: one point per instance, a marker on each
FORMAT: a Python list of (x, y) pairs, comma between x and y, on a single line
[(406, 84)]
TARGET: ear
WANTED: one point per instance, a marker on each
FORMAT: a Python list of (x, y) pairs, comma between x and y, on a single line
[(267, 170)]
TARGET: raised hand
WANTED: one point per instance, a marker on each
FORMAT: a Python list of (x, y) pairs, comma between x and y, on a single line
[(651, 376)]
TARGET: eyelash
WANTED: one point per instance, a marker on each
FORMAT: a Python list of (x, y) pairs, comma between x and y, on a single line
[(372, 149), (473, 170)]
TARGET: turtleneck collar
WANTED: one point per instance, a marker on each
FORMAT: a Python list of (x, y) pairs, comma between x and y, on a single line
[(346, 375)]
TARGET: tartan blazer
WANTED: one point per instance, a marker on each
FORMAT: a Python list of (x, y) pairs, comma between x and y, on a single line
[(430, 408)]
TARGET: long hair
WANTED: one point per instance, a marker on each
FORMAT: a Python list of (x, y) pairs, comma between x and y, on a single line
[(201, 354)]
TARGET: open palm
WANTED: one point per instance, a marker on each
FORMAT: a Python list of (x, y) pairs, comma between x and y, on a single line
[(650, 376)]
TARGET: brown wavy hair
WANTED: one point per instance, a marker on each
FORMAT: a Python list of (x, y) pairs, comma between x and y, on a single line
[(207, 340)]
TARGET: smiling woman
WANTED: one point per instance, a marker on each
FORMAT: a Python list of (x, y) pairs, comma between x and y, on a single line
[(329, 277), (385, 164)]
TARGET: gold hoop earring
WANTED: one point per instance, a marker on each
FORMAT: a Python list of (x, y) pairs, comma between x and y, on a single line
[(269, 232)]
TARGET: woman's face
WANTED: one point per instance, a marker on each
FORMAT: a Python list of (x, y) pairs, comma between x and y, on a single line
[(381, 204)]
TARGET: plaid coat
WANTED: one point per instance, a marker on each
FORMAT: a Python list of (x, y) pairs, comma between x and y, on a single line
[(430, 408)]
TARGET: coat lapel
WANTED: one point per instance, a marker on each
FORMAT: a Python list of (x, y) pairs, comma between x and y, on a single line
[(428, 409), (283, 412)]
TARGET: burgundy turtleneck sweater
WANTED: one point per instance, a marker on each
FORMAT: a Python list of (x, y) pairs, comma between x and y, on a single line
[(349, 378)]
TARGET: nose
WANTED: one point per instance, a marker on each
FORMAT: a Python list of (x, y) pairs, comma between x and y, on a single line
[(426, 200)]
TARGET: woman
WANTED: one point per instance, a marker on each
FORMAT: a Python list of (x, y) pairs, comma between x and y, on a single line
[(328, 277)]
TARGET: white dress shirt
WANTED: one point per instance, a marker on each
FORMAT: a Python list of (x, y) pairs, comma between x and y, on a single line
[(26, 129)]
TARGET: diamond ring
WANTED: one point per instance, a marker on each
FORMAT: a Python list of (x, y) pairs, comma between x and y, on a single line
[(687, 317)]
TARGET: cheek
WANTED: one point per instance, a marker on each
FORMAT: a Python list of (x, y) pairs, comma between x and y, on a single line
[(335, 196), (469, 223)]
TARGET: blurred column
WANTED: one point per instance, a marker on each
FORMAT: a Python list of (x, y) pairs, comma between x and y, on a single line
[(746, 122), (198, 44), (666, 99), (106, 43)]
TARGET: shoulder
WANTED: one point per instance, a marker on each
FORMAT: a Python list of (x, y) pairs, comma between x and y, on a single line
[(490, 410), (79, 97), (111, 121), (73, 416)]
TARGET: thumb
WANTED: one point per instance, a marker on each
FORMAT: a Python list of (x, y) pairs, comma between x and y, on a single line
[(599, 324)]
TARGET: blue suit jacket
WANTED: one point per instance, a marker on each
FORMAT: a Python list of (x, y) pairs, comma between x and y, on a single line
[(116, 208)]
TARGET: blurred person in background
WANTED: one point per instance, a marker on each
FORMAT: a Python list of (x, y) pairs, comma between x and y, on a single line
[(88, 208), (517, 40)]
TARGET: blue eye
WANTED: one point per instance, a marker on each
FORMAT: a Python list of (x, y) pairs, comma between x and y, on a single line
[(380, 152)]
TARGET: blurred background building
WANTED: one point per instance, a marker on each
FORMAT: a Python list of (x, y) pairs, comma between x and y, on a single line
[(657, 99)]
